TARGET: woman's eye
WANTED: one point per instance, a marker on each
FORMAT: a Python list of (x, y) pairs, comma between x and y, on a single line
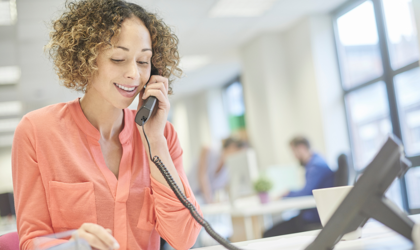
[(140, 62), (115, 60)]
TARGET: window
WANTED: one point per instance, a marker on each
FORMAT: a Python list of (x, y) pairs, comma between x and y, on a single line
[(407, 87), (235, 105), (413, 185), (400, 32), (358, 45), (378, 56), (369, 121)]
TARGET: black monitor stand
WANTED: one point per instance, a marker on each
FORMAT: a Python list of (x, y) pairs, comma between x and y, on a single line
[(366, 199)]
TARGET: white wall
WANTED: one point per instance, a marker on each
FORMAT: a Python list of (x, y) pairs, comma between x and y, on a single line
[(269, 109), (330, 92), (292, 87), (302, 74), (8, 57), (181, 125), (200, 120), (195, 120), (6, 182), (39, 85)]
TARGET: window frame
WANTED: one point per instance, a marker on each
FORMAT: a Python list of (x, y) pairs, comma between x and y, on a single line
[(225, 104), (387, 77)]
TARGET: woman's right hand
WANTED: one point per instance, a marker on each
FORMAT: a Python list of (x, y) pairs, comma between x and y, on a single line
[(97, 236)]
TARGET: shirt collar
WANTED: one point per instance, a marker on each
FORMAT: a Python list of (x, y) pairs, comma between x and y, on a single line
[(83, 123)]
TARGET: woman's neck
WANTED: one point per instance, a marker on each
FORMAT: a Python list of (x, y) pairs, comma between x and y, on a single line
[(107, 119)]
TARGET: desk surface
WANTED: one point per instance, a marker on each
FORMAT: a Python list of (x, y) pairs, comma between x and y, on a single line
[(4, 229), (375, 236), (252, 207)]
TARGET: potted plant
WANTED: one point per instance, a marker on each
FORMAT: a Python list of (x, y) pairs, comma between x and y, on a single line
[(262, 186)]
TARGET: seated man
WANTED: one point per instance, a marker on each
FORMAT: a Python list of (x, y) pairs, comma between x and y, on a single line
[(318, 175)]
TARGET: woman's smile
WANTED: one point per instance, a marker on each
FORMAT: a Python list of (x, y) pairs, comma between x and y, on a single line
[(125, 90)]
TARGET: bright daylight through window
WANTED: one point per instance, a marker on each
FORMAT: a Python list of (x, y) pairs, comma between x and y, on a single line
[(378, 55)]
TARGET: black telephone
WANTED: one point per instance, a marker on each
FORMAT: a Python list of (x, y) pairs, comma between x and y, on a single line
[(142, 117), (147, 109)]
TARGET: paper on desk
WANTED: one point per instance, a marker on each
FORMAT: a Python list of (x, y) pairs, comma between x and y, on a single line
[(299, 242)]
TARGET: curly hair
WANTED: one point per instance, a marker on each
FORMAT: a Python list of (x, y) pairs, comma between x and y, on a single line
[(87, 27)]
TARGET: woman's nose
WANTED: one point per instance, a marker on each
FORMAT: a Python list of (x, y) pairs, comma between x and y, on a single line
[(132, 71)]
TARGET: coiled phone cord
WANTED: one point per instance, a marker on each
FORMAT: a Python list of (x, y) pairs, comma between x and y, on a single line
[(181, 197)]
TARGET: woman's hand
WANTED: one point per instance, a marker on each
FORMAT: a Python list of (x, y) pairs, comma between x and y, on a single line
[(155, 126), (97, 236), (157, 87)]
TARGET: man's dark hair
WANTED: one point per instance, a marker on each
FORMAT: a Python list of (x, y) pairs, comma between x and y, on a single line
[(234, 141), (300, 140)]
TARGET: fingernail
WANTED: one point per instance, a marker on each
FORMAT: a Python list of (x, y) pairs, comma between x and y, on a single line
[(116, 245)]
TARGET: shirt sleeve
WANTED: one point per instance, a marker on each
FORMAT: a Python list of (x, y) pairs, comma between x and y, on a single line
[(173, 221), (314, 176), (33, 218)]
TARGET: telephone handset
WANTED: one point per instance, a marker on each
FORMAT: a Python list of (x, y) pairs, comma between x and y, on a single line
[(142, 117), (146, 109)]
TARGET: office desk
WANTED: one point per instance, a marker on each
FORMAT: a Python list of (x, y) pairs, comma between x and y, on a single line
[(7, 225), (375, 236), (248, 208)]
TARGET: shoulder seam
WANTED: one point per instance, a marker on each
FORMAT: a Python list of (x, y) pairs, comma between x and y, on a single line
[(34, 132)]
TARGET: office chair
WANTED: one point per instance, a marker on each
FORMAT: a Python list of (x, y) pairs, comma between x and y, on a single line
[(341, 176), (9, 241)]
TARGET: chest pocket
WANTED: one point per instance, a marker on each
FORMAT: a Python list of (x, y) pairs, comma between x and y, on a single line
[(72, 204)]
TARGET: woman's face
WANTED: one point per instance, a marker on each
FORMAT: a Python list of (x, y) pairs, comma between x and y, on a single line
[(125, 69)]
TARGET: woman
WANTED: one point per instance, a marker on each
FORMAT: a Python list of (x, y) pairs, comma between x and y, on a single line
[(210, 174), (83, 164)]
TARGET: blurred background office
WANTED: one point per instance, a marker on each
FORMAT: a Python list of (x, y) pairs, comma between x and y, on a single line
[(344, 74)]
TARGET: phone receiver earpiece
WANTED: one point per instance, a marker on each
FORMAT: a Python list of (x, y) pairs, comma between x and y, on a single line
[(146, 110)]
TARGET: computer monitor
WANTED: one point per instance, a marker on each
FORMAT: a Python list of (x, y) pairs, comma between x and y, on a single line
[(366, 199), (243, 171), (7, 205)]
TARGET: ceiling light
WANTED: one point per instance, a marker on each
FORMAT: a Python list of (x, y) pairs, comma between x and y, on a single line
[(8, 125), (240, 8), (191, 63), (8, 12), (10, 108), (9, 74)]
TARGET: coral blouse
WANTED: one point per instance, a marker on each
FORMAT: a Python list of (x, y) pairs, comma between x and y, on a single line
[(61, 181)]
